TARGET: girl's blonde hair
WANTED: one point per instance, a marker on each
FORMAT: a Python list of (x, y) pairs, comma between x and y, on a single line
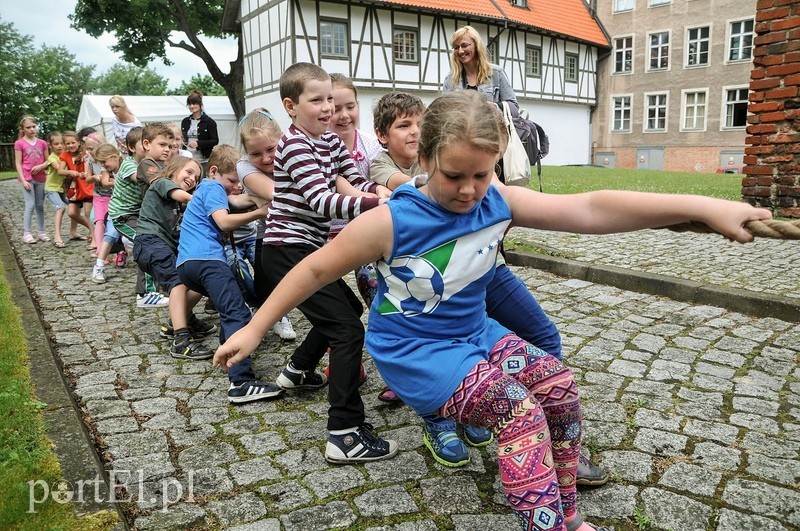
[(176, 164), (74, 135), (105, 151), (481, 54), (22, 123), (344, 81), (259, 123), (96, 137), (461, 116)]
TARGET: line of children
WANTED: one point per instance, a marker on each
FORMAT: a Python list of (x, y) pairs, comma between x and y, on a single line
[(438, 353), (30, 158), (203, 267)]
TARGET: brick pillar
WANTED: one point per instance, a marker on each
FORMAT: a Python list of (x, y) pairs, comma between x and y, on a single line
[(772, 155)]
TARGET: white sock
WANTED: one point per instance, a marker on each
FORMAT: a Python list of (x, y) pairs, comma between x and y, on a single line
[(100, 262), (342, 432)]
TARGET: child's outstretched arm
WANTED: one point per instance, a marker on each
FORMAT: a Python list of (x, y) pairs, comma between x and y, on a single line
[(609, 211), (227, 221), (365, 239)]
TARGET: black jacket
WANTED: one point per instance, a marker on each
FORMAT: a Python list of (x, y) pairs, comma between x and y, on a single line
[(207, 136)]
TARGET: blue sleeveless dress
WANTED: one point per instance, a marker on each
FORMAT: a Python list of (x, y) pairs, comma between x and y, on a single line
[(428, 325)]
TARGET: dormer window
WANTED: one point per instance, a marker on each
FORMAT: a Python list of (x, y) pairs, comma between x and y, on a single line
[(519, 3)]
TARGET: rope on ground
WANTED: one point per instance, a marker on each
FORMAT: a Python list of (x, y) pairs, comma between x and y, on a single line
[(771, 228)]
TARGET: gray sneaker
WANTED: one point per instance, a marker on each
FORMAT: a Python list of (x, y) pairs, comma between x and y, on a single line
[(291, 378)]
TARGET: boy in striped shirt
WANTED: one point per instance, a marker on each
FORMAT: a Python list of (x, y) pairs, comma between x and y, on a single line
[(308, 161)]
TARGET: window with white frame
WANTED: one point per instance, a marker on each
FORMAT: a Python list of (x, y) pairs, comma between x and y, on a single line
[(660, 2), (621, 121), (333, 40), (404, 45), (736, 107), (533, 61), (624, 5), (623, 55), (694, 110), (571, 67), (659, 50), (492, 49), (740, 43), (655, 112), (698, 42)]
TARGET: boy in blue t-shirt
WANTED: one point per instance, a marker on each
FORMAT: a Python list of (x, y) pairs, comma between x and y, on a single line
[(202, 265)]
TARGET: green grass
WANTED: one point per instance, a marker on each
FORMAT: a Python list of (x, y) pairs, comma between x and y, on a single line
[(5, 175), (575, 179), (25, 451)]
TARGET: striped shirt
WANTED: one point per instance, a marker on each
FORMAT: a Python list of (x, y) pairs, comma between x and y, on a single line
[(126, 198), (305, 197)]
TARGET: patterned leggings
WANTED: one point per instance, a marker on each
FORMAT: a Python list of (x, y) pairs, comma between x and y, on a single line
[(529, 400)]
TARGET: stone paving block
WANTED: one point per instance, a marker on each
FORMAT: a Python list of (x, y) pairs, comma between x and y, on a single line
[(628, 466), (713, 431), (211, 398), (211, 480), (242, 426), (736, 521), (754, 441), (262, 443), (131, 444), (146, 467), (785, 471), (181, 516), (102, 391), (117, 425), (183, 381), (327, 482), (691, 478), (403, 467), (661, 370), (140, 393), (103, 409), (285, 495), (648, 387), (755, 405), (383, 502), (485, 522), (724, 358), (764, 500), (286, 418), (336, 514), (154, 406), (755, 422), (714, 399), (712, 383), (242, 508), (95, 378), (416, 525), (609, 501), (604, 434), (253, 471), (304, 434), (165, 421), (208, 415), (659, 442), (451, 495), (649, 342), (266, 524), (714, 456), (630, 369), (648, 418), (736, 344), (673, 511), (196, 457)]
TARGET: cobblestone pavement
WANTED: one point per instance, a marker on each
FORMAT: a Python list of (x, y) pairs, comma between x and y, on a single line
[(693, 410)]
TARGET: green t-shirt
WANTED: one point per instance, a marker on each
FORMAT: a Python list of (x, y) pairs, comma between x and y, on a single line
[(160, 214), (127, 196)]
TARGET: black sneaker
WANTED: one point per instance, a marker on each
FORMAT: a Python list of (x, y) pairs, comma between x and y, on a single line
[(197, 328), (358, 446), (589, 474), (186, 349), (252, 391), (291, 378)]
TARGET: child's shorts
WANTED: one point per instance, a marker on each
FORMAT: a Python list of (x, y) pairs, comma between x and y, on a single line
[(154, 256), (57, 199)]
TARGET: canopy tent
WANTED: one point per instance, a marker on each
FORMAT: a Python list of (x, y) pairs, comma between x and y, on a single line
[(96, 112)]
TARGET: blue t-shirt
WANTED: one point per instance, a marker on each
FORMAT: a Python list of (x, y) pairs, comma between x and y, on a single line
[(428, 325), (201, 239)]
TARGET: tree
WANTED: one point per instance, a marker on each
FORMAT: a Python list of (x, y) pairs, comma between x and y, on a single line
[(130, 80), (145, 28), (47, 83), (204, 84)]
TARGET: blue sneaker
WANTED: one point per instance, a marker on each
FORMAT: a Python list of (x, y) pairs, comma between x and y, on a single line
[(478, 437), (445, 446)]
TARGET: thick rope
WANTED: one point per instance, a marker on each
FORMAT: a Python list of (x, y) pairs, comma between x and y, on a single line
[(771, 228)]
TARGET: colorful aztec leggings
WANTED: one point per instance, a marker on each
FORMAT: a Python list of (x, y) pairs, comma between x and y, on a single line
[(530, 401)]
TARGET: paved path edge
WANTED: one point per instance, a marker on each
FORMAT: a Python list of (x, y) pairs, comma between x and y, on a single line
[(750, 303), (72, 444)]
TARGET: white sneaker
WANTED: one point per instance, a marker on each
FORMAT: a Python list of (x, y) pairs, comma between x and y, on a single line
[(284, 330), (98, 274), (149, 301)]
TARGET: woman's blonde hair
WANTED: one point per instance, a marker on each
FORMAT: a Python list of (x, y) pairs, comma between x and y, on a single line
[(117, 101), (461, 116), (259, 123), (481, 54)]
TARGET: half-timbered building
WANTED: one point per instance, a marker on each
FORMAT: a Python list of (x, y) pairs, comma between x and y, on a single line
[(549, 49)]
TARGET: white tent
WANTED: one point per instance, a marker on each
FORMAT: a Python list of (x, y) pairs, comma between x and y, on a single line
[(96, 112)]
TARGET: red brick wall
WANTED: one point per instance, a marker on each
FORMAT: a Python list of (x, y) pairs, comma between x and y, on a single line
[(772, 155)]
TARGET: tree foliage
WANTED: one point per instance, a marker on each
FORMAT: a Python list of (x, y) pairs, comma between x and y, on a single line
[(145, 28), (204, 84), (47, 83), (130, 80)]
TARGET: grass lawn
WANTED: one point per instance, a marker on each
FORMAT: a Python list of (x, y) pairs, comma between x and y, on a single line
[(8, 175), (25, 452), (574, 179)]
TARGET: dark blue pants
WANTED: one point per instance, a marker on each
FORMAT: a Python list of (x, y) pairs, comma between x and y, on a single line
[(215, 280)]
